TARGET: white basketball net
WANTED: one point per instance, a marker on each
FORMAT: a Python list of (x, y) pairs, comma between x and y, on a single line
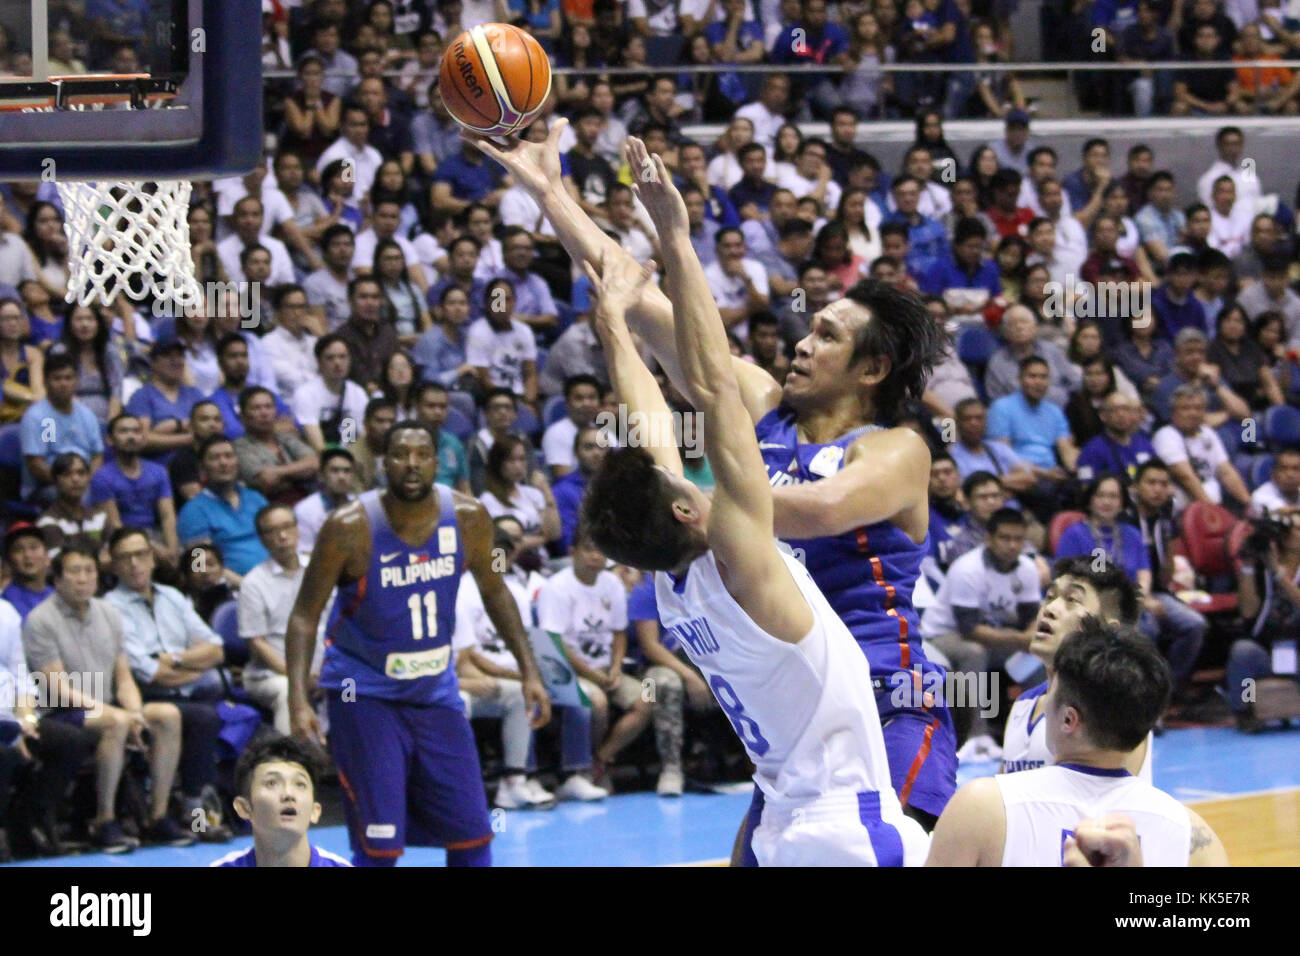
[(131, 237)]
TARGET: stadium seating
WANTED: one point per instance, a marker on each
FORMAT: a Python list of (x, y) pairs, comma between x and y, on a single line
[(459, 425), (1282, 427), (1206, 531), (1060, 522), (225, 621)]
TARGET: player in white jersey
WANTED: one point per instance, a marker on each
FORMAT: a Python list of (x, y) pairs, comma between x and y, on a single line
[(780, 662), (1109, 687), (1077, 591)]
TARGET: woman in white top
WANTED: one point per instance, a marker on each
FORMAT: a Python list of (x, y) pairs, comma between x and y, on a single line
[(196, 332), (403, 304), (505, 493), (780, 164), (49, 244), (478, 221), (860, 216)]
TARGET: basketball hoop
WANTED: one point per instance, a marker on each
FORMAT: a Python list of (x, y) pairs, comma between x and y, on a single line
[(123, 237)]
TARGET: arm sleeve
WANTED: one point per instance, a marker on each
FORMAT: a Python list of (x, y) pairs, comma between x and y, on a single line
[(552, 610), (1169, 445), (196, 629), (618, 604), (478, 351), (251, 607), (189, 524), (39, 644), (143, 666)]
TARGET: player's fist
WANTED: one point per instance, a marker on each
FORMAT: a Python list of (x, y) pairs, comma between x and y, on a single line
[(1109, 841), (538, 702), (303, 722)]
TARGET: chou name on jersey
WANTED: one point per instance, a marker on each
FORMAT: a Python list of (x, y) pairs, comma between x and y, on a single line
[(421, 569), (697, 634)]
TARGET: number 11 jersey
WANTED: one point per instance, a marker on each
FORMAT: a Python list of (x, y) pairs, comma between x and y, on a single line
[(390, 631)]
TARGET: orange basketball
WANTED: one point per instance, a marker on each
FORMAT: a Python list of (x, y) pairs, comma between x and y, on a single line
[(494, 79)]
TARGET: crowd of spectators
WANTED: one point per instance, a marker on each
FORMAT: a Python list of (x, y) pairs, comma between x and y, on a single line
[(1122, 343)]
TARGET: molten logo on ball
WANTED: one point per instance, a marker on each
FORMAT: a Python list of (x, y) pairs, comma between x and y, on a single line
[(466, 69)]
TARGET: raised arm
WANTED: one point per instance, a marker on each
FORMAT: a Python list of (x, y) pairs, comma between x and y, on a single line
[(536, 167), (740, 523)]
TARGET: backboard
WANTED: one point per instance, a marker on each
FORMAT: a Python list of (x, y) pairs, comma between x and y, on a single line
[(131, 89)]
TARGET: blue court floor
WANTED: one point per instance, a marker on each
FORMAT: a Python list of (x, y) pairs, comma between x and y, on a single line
[(642, 829)]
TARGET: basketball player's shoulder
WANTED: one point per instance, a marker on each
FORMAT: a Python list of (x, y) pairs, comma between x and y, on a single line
[(346, 522), (468, 508), (903, 445)]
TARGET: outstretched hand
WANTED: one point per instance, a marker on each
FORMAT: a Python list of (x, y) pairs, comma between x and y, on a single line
[(535, 166), (616, 286), (653, 185)]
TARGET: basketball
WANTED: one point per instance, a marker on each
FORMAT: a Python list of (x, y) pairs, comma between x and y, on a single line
[(494, 79)]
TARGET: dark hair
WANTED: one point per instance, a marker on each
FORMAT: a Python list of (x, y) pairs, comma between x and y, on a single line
[(573, 381), (59, 361), (939, 456), (326, 340), (282, 292), (894, 229), (246, 395), (120, 416), (409, 424), (1117, 681), (1152, 463), (227, 340), (1039, 151), (748, 149), (201, 403), (378, 405), (1005, 516), (499, 391), (493, 474), (977, 478), (1004, 178), (29, 230), (211, 442), (69, 344), (118, 536), (1110, 583), (969, 228), (329, 454), (901, 330), (64, 461), (628, 509), (1091, 488), (333, 232), (1159, 176), (266, 509), (273, 749), (1094, 141), (359, 281), (1034, 360), (57, 562), (248, 251)]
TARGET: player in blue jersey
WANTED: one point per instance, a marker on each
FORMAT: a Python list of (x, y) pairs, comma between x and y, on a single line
[(397, 728), (275, 779), (851, 497)]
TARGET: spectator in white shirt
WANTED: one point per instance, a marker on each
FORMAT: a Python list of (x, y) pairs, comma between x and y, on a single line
[(619, 209), (1042, 168), (1071, 240), (1280, 495), (738, 283), (581, 403), (1229, 220), (353, 146), (1195, 455), (935, 201), (266, 597), (506, 492), (327, 287), (248, 220), (338, 479), (499, 348), (810, 175), (768, 114), (724, 169), (383, 226), (330, 407), (1230, 143), (290, 346)]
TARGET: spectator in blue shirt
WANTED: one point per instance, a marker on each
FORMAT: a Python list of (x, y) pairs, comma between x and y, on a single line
[(440, 352), (1190, 368), (163, 404), (1035, 428), (589, 450), (694, 165), (972, 451), (57, 423), (734, 39), (28, 561), (534, 305), (1174, 304), (462, 257), (967, 267), (927, 239), (467, 177), (752, 196), (815, 40), (1146, 357), (232, 358), (1085, 182), (138, 488), (1122, 446), (1103, 502), (224, 510)]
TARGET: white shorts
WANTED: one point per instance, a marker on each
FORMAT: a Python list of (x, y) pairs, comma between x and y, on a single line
[(840, 829)]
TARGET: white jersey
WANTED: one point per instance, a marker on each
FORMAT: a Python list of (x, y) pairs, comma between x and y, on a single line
[(1044, 805), (806, 714), (1024, 743)]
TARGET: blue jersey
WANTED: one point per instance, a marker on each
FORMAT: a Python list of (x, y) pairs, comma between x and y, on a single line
[(867, 574), (248, 857), (390, 631)]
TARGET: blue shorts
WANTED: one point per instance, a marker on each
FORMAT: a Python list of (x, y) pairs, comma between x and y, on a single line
[(410, 776)]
